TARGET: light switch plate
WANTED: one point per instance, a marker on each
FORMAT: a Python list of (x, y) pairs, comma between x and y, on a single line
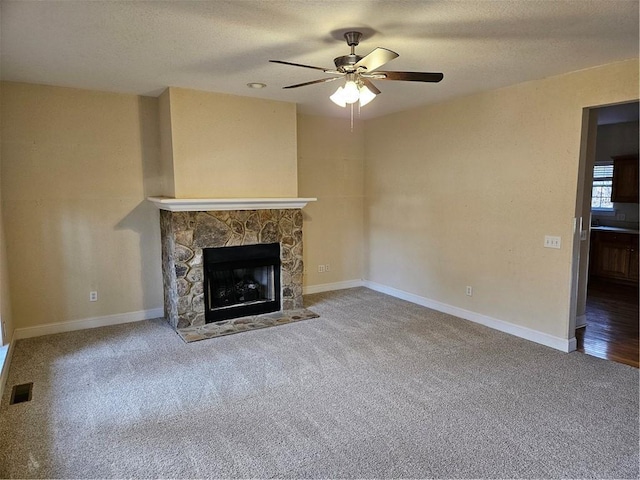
[(552, 242)]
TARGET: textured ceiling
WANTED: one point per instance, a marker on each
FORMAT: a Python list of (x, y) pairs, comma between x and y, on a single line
[(142, 47)]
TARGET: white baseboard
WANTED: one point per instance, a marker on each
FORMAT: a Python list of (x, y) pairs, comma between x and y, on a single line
[(51, 328), (501, 325), (327, 287), (561, 344)]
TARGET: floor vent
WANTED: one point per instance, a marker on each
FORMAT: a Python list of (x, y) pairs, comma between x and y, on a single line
[(21, 393)]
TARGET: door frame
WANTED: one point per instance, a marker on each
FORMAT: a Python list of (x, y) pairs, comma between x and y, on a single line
[(582, 224), (581, 241)]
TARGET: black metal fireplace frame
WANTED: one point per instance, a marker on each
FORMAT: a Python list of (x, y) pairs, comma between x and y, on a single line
[(239, 257)]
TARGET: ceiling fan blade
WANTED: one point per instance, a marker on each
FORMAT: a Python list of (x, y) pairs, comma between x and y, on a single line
[(376, 59), (370, 85), (323, 80), (412, 76), (326, 70)]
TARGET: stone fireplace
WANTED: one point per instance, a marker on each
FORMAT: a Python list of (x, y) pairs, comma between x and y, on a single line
[(244, 150), (186, 233)]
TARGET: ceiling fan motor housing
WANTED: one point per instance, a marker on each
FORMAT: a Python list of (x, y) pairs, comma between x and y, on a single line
[(345, 63)]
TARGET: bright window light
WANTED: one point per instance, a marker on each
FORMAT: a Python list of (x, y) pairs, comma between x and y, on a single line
[(601, 191)]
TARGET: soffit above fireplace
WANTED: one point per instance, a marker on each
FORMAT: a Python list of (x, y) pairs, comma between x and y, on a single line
[(212, 204)]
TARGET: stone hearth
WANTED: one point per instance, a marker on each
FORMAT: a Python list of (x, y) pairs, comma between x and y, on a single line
[(186, 233)]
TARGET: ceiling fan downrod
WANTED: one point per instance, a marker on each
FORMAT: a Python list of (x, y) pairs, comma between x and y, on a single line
[(345, 63)]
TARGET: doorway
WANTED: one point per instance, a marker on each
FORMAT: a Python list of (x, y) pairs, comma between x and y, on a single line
[(611, 330), (607, 279)]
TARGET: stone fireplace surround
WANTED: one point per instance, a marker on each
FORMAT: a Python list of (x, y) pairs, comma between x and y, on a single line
[(187, 226)]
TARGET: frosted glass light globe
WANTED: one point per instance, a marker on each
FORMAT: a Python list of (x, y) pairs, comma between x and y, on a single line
[(366, 95), (338, 97), (350, 92)]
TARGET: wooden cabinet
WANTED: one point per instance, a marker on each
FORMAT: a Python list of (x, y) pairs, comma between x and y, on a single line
[(625, 179), (614, 256), (633, 264)]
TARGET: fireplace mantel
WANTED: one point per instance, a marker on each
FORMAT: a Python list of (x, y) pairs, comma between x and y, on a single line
[(212, 204)]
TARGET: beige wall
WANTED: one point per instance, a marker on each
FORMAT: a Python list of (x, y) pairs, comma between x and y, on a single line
[(5, 300), (463, 193), (167, 184), (76, 168), (330, 167), (226, 146), (427, 201)]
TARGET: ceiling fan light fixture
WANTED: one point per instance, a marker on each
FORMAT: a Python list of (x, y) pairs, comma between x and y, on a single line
[(359, 71), (350, 91), (338, 97), (366, 95)]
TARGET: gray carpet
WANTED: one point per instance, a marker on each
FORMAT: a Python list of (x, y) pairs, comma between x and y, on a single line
[(376, 387)]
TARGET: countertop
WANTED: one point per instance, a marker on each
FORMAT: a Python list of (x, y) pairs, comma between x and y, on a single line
[(614, 229)]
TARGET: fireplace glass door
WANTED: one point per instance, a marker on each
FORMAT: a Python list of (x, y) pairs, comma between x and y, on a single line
[(241, 281)]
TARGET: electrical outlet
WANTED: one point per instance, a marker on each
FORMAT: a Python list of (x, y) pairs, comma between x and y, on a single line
[(551, 242), (469, 292), (321, 268), (621, 216), (93, 296), (326, 267)]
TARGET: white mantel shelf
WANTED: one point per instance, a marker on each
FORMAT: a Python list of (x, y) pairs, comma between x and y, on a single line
[(213, 204)]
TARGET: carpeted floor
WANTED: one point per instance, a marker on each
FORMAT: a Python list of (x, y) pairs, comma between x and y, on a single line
[(376, 387)]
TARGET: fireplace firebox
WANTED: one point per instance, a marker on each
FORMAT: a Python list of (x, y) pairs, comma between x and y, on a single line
[(240, 281)]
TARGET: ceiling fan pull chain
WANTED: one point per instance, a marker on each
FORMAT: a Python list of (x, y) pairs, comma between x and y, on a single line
[(352, 118)]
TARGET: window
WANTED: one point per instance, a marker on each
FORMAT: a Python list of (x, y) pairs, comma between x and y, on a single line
[(601, 192)]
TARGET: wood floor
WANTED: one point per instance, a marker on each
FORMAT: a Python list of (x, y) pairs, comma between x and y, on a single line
[(612, 323)]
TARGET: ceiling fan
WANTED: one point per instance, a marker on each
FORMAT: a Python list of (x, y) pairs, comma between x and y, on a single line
[(359, 71)]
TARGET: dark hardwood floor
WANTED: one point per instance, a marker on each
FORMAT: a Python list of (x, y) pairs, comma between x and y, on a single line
[(612, 323)]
